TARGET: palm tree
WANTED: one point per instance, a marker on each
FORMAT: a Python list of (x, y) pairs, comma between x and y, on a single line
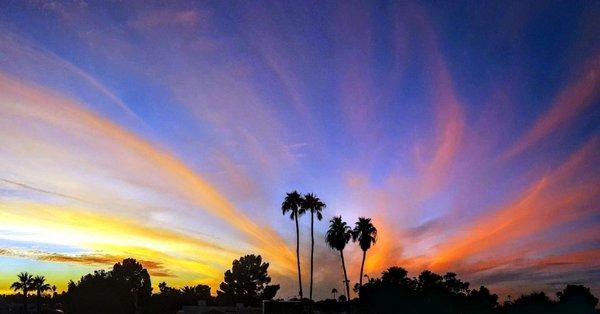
[(293, 204), (40, 285), (338, 235), (24, 284), (315, 206), (366, 234), (188, 290), (334, 292)]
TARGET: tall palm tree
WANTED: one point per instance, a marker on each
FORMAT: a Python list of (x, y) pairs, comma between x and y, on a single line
[(366, 234), (292, 204), (24, 284), (338, 235), (40, 286), (315, 206)]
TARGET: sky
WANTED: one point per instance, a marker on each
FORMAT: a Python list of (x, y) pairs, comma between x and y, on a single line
[(171, 131)]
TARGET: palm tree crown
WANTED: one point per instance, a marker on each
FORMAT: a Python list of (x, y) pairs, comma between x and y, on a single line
[(292, 204), (40, 285), (24, 284), (314, 205), (338, 234), (365, 233)]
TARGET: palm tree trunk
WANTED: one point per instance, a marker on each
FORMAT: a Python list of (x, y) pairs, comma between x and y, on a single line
[(345, 277), (39, 305), (362, 266), (312, 249), (25, 301), (298, 253)]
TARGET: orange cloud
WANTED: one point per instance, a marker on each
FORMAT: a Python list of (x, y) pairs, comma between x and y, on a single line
[(154, 268), (547, 202)]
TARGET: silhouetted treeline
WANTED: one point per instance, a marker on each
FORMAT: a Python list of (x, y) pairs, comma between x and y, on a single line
[(170, 300), (395, 292), (126, 289)]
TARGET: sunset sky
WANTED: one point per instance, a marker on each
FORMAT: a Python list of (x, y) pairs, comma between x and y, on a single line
[(171, 133)]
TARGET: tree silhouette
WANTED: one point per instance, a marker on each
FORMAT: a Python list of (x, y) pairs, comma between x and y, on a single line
[(135, 278), (98, 293), (315, 206), (366, 234), (576, 299), (125, 289), (54, 295), (191, 295), (481, 301), (338, 235), (334, 292), (292, 204), (536, 302), (168, 300), (395, 275), (163, 288), (24, 284), (247, 282), (393, 293), (429, 293), (40, 286)]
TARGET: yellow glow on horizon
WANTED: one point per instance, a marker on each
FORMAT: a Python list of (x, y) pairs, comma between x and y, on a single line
[(42, 223)]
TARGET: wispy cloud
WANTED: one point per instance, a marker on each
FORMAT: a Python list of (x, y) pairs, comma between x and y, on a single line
[(39, 58), (29, 187), (136, 155), (571, 101)]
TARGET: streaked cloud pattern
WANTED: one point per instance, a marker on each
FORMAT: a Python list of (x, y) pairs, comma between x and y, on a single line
[(170, 133)]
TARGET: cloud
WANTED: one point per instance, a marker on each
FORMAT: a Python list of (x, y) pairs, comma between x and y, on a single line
[(90, 259), (29, 187), (567, 105), (114, 142), (187, 18), (34, 60), (549, 273), (548, 201), (449, 116)]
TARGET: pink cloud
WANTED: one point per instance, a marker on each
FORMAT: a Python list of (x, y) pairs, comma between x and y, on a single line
[(567, 105)]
